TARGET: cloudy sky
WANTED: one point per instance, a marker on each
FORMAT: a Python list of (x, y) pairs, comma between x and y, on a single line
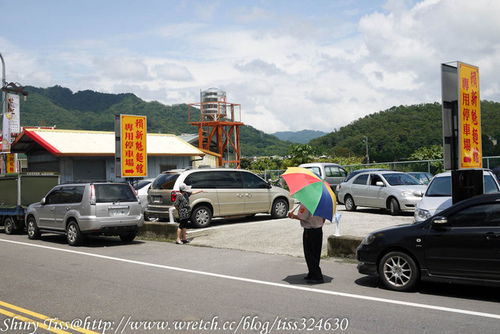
[(291, 64)]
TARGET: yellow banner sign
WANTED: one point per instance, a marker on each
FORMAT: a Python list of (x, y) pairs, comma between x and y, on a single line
[(471, 153), (11, 163), (133, 146)]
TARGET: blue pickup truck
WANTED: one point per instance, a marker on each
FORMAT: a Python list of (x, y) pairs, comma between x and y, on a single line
[(18, 191)]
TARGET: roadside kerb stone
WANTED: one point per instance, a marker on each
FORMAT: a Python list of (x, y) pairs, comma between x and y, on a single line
[(342, 246), (154, 230)]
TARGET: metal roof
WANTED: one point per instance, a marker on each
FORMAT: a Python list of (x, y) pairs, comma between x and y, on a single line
[(96, 143)]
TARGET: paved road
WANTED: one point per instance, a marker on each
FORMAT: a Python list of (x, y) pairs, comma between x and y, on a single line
[(111, 287), (152, 287), (284, 236)]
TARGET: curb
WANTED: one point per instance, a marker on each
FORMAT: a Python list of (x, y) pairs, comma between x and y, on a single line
[(159, 230), (343, 246), (337, 246)]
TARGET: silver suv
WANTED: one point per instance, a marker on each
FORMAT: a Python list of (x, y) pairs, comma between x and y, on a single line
[(80, 209), (229, 192)]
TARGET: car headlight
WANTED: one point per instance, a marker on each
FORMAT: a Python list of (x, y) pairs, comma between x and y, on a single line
[(368, 239), (422, 214), (407, 193)]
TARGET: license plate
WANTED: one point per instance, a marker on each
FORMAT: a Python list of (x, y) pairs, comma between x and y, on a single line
[(121, 211), (156, 199)]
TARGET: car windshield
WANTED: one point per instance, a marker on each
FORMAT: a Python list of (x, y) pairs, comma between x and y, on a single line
[(440, 186), (490, 186), (141, 184), (400, 179), (315, 170), (165, 181), (114, 193)]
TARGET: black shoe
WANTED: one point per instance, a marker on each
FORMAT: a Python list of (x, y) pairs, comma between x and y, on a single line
[(185, 241), (315, 281), (307, 277)]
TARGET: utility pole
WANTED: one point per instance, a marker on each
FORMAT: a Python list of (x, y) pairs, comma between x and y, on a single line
[(4, 101), (11, 87), (367, 156), (4, 86)]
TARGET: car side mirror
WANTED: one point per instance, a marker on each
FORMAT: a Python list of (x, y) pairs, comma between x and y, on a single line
[(379, 183), (43, 201), (439, 222), (418, 193)]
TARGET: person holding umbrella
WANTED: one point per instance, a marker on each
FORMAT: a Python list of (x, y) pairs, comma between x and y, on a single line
[(317, 204), (312, 242)]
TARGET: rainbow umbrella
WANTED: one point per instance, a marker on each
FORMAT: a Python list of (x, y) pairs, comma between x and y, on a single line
[(309, 189)]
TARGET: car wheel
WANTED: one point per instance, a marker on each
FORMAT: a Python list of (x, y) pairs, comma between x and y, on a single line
[(9, 225), (73, 234), (398, 271), (349, 203), (127, 238), (201, 216), (394, 207), (33, 231), (280, 208)]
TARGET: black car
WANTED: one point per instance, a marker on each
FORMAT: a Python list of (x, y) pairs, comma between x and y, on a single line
[(461, 245)]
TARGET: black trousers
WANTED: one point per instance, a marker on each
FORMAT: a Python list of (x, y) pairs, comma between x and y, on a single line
[(312, 240)]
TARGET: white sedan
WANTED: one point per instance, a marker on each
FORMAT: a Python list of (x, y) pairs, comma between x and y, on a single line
[(141, 187), (438, 195), (395, 191)]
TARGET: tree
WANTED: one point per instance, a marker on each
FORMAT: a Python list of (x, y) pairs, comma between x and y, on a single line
[(428, 153), (265, 164), (435, 152), (299, 154)]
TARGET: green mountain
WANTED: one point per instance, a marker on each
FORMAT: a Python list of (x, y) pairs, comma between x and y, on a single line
[(89, 110), (300, 137), (393, 134)]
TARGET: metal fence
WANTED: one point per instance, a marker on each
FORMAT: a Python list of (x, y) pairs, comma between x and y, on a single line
[(431, 166)]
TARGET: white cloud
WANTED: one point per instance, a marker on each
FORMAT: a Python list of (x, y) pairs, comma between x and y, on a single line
[(172, 72), (260, 67), (290, 66), (122, 68)]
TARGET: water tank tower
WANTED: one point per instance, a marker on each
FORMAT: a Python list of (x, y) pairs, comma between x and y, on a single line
[(218, 126), (216, 109)]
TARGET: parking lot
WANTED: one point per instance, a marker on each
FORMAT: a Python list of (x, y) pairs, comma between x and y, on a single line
[(284, 236)]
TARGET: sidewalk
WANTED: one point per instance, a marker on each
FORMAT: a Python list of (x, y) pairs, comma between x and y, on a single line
[(284, 236)]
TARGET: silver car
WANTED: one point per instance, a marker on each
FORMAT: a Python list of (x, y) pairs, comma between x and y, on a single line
[(390, 190), (438, 195), (80, 209)]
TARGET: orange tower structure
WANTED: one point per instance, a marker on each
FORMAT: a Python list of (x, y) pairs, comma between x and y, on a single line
[(218, 126)]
